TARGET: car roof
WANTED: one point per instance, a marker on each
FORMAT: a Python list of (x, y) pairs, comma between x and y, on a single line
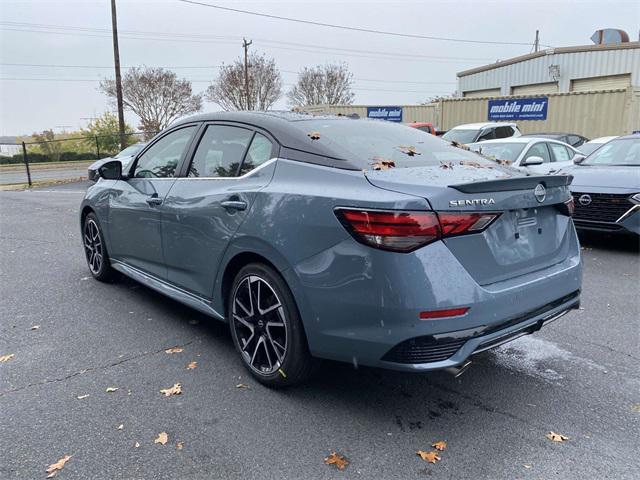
[(602, 139), (477, 126)]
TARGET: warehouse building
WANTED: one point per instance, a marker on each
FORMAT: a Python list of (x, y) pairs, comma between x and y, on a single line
[(557, 70)]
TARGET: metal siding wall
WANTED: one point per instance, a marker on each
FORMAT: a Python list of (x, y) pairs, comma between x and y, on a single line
[(592, 114), (572, 65), (481, 93)]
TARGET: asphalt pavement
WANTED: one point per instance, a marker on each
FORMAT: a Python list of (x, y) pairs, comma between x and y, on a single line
[(578, 377)]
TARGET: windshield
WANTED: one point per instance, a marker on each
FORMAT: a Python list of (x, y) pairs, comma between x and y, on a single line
[(366, 142), (500, 151), (625, 151), (130, 150), (588, 148), (461, 136)]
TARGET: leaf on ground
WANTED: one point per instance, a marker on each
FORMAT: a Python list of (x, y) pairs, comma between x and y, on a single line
[(136, 445), (338, 460), (431, 457), (314, 135), (59, 465), (175, 390), (162, 439), (281, 372), (556, 437), (173, 350), (82, 397), (636, 408), (35, 327), (180, 445), (242, 385), (527, 466), (121, 426), (383, 165), (441, 445), (6, 358), (111, 389), (192, 366)]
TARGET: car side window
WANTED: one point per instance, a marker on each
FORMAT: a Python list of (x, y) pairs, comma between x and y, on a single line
[(220, 151), (575, 140), (560, 152), (162, 158), (539, 150), (504, 132), (488, 135), (258, 153)]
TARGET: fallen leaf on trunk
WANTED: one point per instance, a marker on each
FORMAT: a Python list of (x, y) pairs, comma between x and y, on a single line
[(121, 426), (162, 439), (6, 358), (441, 445), (82, 397), (35, 327), (503, 162), (446, 165), (410, 150), (173, 350), (180, 445), (314, 135), (460, 145), (431, 457), (471, 163), (59, 465), (557, 437), (175, 390), (338, 460), (242, 385), (383, 165), (192, 366), (111, 389)]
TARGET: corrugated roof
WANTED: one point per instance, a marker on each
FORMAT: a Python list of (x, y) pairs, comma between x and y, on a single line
[(550, 51)]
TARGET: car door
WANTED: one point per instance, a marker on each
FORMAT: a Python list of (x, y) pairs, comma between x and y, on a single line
[(562, 156), (209, 202), (538, 149), (135, 206)]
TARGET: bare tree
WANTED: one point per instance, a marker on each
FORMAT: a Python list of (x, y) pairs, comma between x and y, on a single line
[(323, 85), (156, 95), (265, 85)]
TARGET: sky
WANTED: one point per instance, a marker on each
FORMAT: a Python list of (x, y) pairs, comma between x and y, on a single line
[(53, 53)]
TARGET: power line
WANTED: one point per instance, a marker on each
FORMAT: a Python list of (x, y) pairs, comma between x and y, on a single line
[(357, 29), (209, 67), (275, 44)]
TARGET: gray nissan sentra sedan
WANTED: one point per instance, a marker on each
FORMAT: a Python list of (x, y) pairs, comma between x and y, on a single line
[(329, 237)]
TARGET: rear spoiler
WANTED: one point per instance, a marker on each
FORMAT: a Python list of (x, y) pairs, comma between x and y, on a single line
[(518, 183)]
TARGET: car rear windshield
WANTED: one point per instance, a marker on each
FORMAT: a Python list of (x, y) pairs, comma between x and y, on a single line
[(500, 151), (366, 142), (461, 136), (624, 151)]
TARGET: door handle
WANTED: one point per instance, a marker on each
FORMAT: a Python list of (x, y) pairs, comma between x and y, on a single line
[(234, 205), (154, 201)]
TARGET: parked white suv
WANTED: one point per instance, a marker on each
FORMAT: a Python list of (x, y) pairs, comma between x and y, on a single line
[(479, 132)]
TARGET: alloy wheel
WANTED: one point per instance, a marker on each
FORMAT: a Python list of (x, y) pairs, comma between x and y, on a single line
[(259, 323), (93, 246)]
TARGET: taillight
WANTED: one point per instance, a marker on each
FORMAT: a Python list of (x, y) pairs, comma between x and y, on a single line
[(567, 208), (405, 231)]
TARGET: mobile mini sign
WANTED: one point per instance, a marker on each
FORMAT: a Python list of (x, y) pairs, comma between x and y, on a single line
[(392, 114), (519, 109)]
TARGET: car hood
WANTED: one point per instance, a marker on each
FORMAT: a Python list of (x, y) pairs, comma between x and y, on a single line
[(622, 178)]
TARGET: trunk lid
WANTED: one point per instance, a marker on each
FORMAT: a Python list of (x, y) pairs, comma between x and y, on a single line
[(530, 234)]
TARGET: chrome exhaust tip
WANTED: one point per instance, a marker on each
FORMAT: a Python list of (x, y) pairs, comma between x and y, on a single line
[(459, 370)]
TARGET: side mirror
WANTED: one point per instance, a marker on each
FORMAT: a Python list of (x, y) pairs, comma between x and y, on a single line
[(533, 160), (578, 158), (111, 170)]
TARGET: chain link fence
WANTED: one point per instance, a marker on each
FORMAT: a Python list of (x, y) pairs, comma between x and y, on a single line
[(58, 159)]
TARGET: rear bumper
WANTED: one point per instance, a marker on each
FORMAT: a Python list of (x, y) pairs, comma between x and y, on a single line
[(358, 304)]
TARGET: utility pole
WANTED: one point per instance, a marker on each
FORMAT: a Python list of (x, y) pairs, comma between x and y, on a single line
[(116, 58), (536, 46), (245, 45)]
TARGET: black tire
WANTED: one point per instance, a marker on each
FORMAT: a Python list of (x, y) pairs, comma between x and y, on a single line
[(258, 337), (95, 250)]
